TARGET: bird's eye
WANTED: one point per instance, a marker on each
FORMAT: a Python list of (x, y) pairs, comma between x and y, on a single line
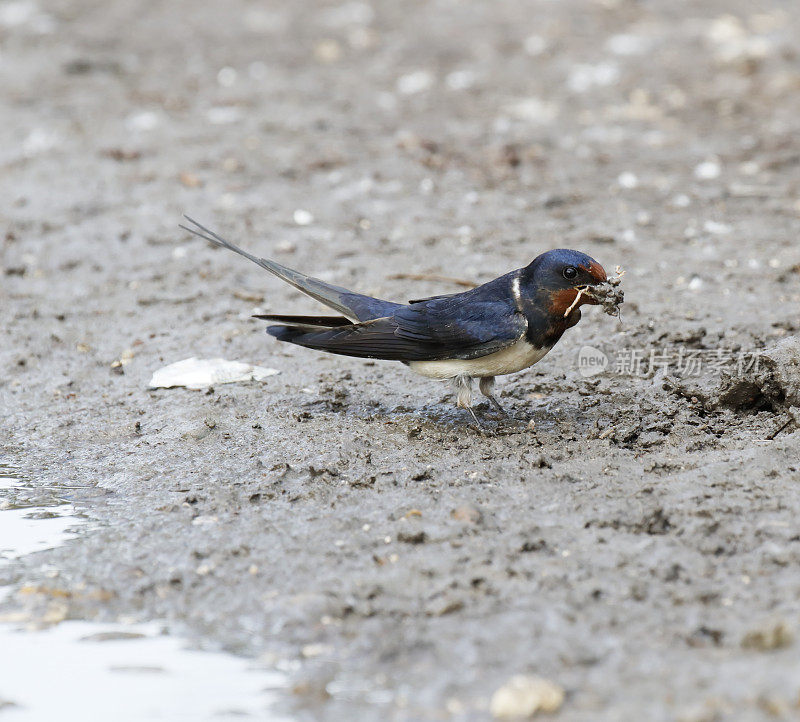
[(570, 272)]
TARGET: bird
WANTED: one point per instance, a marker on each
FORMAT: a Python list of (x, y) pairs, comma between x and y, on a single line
[(500, 327)]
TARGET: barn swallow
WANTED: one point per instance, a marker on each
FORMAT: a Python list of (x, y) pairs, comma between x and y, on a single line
[(500, 327)]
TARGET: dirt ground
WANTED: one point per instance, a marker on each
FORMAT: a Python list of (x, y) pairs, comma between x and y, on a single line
[(342, 520)]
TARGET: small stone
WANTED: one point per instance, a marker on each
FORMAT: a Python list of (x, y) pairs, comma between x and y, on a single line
[(460, 80), (709, 170), (446, 606), (303, 217), (627, 44), (285, 246), (418, 537), (774, 634), (190, 180), (316, 650), (328, 51), (524, 695), (142, 121), (249, 296), (415, 82), (535, 45), (224, 114), (584, 76), (227, 76), (716, 228), (467, 513)]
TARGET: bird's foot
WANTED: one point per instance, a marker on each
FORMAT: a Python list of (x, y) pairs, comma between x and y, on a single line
[(478, 425), (497, 405)]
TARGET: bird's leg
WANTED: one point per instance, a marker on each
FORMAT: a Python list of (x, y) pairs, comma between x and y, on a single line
[(486, 385), (463, 387)]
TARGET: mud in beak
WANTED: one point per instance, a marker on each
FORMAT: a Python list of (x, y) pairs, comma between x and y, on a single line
[(606, 292)]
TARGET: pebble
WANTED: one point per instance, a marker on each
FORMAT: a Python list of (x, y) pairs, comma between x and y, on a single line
[(535, 45), (773, 634), (190, 180), (316, 650), (627, 44), (584, 77), (413, 83), (524, 695), (285, 246), (142, 121), (708, 170), (467, 513), (328, 51), (303, 217), (224, 114), (460, 80), (227, 76), (717, 228)]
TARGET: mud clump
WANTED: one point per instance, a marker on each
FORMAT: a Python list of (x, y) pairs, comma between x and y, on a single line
[(608, 294), (774, 382)]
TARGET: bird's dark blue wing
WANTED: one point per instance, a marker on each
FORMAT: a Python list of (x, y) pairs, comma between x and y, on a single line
[(466, 325)]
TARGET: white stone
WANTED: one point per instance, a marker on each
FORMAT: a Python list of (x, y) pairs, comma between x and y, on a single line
[(303, 217), (525, 695), (627, 44), (535, 45), (194, 373), (226, 77), (142, 121), (708, 170), (416, 82), (717, 228), (584, 77)]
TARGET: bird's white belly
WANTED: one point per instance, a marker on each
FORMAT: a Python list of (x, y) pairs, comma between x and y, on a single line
[(507, 361)]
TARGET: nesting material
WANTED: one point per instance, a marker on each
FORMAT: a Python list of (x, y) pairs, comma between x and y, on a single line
[(608, 294)]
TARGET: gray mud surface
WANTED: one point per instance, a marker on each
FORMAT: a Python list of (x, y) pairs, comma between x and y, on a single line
[(343, 519)]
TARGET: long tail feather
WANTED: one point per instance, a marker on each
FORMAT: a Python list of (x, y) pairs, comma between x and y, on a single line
[(355, 306), (309, 323)]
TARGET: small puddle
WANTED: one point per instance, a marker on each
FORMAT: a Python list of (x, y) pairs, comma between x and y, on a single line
[(84, 671), (126, 673), (33, 519)]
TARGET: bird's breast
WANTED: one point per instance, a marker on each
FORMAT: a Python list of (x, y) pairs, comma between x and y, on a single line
[(509, 360)]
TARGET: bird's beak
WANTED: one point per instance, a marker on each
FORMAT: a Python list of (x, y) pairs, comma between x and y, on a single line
[(597, 272), (585, 291)]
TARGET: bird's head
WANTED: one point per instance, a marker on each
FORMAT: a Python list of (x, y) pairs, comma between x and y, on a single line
[(565, 276)]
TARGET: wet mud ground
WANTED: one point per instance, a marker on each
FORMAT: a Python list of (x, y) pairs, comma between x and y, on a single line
[(342, 520)]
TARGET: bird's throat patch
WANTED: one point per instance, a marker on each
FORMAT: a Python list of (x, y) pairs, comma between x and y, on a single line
[(560, 301)]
